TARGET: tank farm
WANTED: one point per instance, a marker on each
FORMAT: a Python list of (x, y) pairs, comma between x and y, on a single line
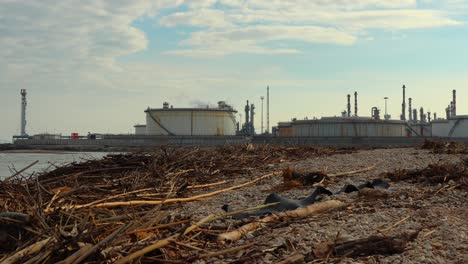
[(201, 185)]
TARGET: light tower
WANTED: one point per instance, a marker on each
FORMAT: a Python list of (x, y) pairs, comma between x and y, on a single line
[(23, 113)]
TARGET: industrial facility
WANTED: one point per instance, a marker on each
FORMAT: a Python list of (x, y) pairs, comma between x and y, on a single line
[(219, 123), (171, 121)]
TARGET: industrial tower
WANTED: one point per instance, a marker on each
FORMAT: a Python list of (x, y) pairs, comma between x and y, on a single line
[(23, 113)]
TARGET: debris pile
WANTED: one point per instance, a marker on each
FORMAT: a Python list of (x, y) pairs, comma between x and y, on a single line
[(124, 207), (434, 174), (441, 147)]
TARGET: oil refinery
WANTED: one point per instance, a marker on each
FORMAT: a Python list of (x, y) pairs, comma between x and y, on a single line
[(214, 125)]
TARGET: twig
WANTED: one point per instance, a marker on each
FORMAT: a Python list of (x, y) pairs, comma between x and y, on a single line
[(21, 171), (172, 200)]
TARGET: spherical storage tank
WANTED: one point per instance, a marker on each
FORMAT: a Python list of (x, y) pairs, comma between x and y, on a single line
[(169, 121)]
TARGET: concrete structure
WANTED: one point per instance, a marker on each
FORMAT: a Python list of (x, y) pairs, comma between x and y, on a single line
[(140, 129), (455, 127), (169, 121), (348, 127)]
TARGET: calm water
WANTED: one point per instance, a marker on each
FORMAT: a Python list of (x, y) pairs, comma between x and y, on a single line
[(18, 161)]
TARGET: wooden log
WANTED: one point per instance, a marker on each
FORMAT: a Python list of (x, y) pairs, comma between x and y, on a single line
[(298, 213)]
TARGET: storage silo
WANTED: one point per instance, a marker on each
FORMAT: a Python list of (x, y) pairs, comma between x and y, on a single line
[(169, 121), (140, 129)]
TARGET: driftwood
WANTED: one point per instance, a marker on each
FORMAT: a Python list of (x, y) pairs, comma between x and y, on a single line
[(29, 251), (172, 200), (298, 213), (373, 245)]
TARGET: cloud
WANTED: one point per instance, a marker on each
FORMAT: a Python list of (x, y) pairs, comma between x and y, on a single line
[(253, 39), (238, 26), (72, 34)]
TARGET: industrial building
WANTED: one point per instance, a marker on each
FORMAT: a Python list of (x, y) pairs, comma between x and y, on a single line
[(209, 121), (348, 127)]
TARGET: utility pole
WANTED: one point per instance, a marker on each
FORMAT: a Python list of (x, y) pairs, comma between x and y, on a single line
[(261, 98)]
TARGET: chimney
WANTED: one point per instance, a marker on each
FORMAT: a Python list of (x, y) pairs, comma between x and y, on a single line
[(355, 104), (429, 117), (403, 105), (454, 112), (435, 116), (247, 118), (349, 105), (23, 112), (421, 115), (415, 115), (252, 115), (447, 112), (410, 109)]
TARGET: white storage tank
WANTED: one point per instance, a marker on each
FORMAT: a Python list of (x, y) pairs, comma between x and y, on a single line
[(140, 129), (169, 121), (349, 127), (455, 127)]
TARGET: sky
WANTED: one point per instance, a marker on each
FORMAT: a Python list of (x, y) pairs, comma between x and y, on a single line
[(95, 65)]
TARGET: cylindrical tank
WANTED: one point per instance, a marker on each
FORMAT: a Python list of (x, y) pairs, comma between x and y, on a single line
[(348, 127), (140, 129), (191, 121)]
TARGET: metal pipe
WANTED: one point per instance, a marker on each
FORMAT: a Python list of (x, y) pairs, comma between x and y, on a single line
[(23, 112), (355, 104)]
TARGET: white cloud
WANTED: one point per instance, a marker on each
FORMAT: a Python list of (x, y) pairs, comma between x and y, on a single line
[(244, 26), (252, 39)]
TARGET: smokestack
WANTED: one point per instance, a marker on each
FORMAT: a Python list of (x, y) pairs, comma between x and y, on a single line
[(23, 112), (252, 121), (447, 112), (349, 105), (415, 115), (410, 110), (429, 117), (454, 112), (435, 116), (421, 115), (247, 118), (355, 104), (403, 105), (268, 110)]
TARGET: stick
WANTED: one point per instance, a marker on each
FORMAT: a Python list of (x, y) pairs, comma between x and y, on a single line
[(301, 212), (76, 255), (102, 243), (31, 250), (295, 258), (172, 200), (21, 171)]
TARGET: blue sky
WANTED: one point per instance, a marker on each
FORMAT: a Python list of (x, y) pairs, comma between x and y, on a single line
[(96, 65)]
